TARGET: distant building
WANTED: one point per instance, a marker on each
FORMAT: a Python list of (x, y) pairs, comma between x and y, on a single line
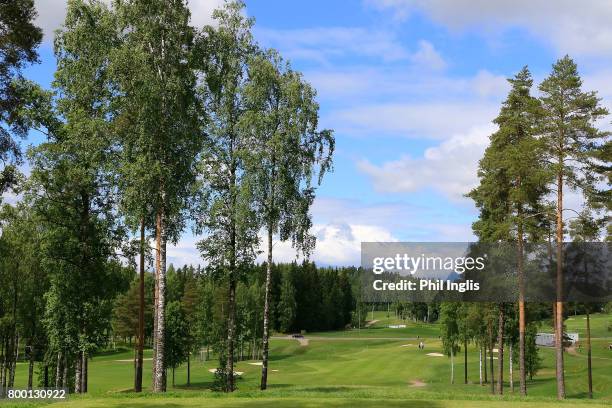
[(548, 339), (397, 326)]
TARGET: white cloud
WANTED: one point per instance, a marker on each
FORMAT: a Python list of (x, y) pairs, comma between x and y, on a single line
[(417, 120), (51, 14), (338, 244), (393, 83), (202, 10), (575, 27), (324, 43), (449, 168), (427, 56)]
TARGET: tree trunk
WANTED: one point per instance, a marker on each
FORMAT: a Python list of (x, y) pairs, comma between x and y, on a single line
[(231, 322), (46, 376), (500, 352), (65, 372), (78, 365), (452, 367), (589, 367), (510, 356), (3, 351), (31, 368), (15, 356), (484, 352), (522, 317), (559, 300), (189, 369), (85, 372), (491, 359), (140, 353), (480, 365), (159, 385), (58, 370), (266, 322), (465, 365)]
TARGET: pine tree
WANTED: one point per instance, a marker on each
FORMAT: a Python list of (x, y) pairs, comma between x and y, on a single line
[(571, 140), (513, 179)]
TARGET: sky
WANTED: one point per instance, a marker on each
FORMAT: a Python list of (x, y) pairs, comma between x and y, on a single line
[(410, 88)]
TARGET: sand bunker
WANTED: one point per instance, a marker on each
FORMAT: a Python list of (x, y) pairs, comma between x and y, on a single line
[(407, 345), (259, 363), (371, 322), (214, 370), (417, 383), (435, 354)]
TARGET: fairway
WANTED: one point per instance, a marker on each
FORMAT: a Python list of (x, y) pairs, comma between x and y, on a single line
[(340, 369)]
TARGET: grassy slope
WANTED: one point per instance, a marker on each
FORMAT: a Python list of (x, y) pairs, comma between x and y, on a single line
[(333, 373)]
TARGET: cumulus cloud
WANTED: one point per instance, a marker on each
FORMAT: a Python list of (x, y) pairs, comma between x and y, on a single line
[(576, 27), (51, 14), (449, 168)]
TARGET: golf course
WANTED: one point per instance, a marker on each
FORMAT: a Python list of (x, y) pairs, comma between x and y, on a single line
[(369, 367)]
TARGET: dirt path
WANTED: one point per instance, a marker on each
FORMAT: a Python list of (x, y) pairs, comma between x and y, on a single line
[(302, 340), (371, 322)]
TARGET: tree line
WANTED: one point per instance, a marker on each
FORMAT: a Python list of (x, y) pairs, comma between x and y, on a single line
[(151, 126)]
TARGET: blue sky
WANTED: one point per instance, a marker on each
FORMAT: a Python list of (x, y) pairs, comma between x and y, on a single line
[(410, 88)]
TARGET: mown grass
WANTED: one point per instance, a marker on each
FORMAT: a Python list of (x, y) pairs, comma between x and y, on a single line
[(343, 372)]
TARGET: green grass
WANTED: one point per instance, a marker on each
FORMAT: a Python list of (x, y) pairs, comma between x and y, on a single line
[(348, 372), (381, 328), (577, 324)]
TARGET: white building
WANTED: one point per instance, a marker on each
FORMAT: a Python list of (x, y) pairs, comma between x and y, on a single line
[(548, 339)]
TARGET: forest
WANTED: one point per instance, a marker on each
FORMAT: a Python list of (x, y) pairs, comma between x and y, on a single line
[(154, 127)]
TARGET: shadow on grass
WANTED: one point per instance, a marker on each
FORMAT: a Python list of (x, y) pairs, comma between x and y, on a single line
[(289, 402), (195, 386), (328, 390)]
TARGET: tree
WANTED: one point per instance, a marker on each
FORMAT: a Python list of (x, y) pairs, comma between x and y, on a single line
[(583, 229), (157, 126), (177, 340), (287, 306), (513, 178), (282, 116), (21, 297), (228, 213), (449, 328), (71, 190), (19, 38), (571, 141)]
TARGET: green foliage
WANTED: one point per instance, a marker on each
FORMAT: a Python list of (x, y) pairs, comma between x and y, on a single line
[(19, 39)]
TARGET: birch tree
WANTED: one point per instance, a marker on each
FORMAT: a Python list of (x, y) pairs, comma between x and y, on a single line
[(227, 215), (157, 129), (289, 151)]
